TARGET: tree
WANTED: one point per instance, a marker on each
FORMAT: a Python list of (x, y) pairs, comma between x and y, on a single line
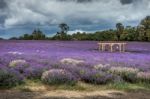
[(38, 35), (64, 28), (62, 35), (130, 34), (145, 24), (120, 29)]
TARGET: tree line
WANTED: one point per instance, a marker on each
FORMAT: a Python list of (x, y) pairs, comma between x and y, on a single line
[(121, 33)]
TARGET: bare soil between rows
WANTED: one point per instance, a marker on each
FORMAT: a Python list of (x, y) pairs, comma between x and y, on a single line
[(64, 94)]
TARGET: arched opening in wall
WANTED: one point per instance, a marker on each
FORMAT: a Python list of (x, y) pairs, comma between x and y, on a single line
[(107, 47), (116, 47)]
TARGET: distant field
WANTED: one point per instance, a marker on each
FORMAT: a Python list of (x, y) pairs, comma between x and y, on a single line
[(137, 53)]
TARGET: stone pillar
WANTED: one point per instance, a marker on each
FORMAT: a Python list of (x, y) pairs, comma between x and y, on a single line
[(123, 47), (103, 47), (111, 47), (120, 47), (100, 46)]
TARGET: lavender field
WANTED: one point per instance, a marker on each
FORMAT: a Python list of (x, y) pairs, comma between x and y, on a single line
[(73, 61)]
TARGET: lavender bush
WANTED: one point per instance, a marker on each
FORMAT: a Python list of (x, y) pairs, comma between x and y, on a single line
[(10, 78), (58, 76), (128, 74), (95, 77), (143, 77), (34, 72), (19, 65)]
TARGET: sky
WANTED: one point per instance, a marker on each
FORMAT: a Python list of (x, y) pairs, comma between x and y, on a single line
[(18, 17)]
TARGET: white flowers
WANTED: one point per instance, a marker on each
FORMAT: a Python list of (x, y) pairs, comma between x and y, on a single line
[(72, 61), (15, 53), (17, 62), (101, 66), (123, 70), (144, 75)]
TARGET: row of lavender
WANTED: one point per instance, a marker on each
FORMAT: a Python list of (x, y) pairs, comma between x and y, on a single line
[(70, 62)]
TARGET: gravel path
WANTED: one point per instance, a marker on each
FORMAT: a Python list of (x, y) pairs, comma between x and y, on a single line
[(61, 94)]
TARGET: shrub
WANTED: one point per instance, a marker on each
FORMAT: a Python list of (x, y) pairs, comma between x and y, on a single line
[(58, 76), (71, 61), (15, 63), (34, 72), (95, 76), (10, 78), (143, 77), (19, 65), (102, 67), (127, 74)]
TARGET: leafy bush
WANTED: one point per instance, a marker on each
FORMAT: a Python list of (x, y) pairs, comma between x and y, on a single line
[(95, 76), (15, 63), (58, 76), (102, 67), (143, 77), (127, 74), (10, 78), (34, 72), (19, 65)]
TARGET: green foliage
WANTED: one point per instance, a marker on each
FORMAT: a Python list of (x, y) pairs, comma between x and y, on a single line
[(64, 28), (144, 29), (128, 74), (58, 77), (9, 78), (120, 30), (62, 35), (37, 34)]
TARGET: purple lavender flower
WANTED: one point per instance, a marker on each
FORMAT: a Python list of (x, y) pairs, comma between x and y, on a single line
[(58, 76), (10, 78)]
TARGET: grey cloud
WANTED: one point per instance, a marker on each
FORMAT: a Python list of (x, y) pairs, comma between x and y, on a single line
[(3, 4), (79, 1), (72, 11), (3, 12), (126, 1)]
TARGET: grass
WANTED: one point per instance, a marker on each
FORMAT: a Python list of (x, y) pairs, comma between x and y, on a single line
[(37, 85)]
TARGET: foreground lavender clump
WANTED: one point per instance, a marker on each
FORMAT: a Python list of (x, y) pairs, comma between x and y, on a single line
[(19, 65), (16, 63), (58, 76), (144, 76), (102, 67), (34, 72), (128, 74), (10, 78), (95, 76)]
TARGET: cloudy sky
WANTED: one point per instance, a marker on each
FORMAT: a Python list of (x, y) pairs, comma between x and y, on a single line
[(22, 16)]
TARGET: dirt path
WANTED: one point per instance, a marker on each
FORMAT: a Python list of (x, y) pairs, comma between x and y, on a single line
[(61, 94)]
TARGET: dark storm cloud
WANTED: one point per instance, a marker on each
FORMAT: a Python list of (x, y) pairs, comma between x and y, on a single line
[(3, 4), (3, 12), (80, 1), (126, 1)]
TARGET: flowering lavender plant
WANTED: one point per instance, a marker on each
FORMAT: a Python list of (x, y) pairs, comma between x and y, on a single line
[(58, 76), (95, 76), (143, 77), (128, 74), (10, 78)]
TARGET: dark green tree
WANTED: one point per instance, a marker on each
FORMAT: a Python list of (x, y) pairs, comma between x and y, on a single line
[(145, 25), (62, 35), (38, 35), (64, 28), (120, 29)]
